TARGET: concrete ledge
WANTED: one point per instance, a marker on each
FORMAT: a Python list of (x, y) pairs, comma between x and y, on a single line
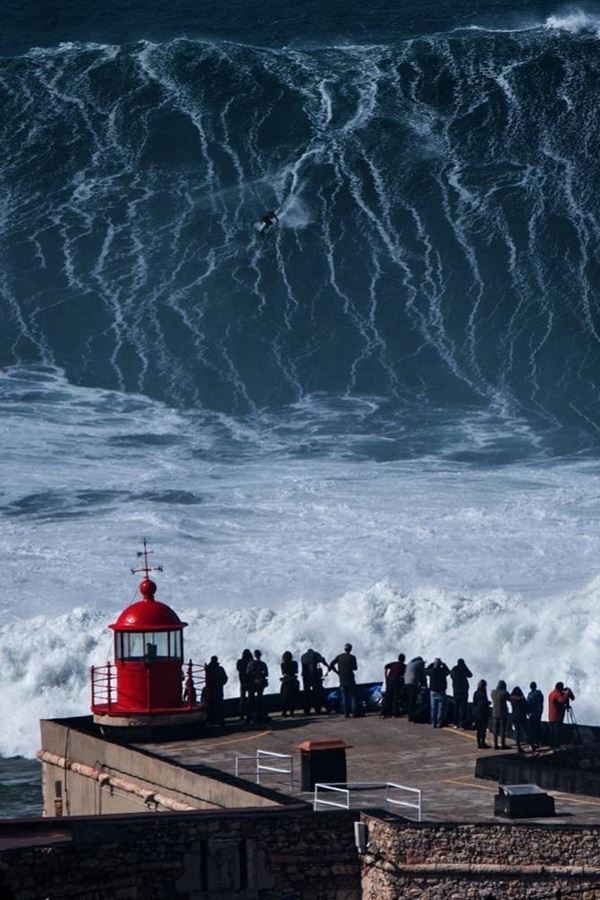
[(513, 769)]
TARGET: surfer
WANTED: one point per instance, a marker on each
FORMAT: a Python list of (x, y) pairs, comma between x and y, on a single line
[(269, 219)]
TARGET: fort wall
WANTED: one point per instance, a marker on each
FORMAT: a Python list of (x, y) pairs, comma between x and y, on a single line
[(483, 860), (256, 854)]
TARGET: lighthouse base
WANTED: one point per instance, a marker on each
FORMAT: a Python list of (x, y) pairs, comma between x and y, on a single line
[(144, 726)]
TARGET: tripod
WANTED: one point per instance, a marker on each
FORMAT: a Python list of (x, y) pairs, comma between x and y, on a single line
[(572, 721)]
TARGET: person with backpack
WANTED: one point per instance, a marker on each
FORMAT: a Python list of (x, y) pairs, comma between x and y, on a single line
[(312, 680)]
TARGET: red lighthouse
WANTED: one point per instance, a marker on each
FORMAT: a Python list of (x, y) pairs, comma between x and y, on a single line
[(148, 685)]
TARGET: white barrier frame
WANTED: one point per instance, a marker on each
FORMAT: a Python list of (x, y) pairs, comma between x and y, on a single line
[(389, 801), (336, 786), (260, 759), (341, 787)]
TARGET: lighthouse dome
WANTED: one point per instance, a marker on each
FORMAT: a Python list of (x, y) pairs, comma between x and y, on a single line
[(148, 614)]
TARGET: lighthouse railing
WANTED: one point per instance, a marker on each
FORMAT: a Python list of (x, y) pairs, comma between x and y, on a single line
[(195, 690), (105, 698), (104, 683)]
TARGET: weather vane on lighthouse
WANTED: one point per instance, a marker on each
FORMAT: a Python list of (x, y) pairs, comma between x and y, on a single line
[(146, 569)]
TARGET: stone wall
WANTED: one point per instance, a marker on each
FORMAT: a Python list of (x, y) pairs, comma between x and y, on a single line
[(483, 861), (283, 854)]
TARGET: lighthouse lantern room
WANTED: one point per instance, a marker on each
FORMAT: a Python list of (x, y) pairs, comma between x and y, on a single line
[(148, 684)]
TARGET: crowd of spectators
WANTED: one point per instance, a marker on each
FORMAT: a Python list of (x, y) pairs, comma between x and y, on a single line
[(414, 689)]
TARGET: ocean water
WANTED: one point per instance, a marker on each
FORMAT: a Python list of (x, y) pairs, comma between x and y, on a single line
[(378, 423)]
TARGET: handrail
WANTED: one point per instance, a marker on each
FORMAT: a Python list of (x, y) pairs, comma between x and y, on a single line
[(259, 759), (346, 788), (267, 754), (330, 787), (389, 801)]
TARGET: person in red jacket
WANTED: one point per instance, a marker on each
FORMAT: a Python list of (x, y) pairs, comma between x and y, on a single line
[(558, 704)]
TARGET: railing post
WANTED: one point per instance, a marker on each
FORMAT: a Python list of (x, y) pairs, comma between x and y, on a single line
[(109, 685), (93, 687), (147, 665), (190, 685)]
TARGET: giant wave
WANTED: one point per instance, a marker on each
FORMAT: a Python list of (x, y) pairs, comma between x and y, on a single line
[(439, 237)]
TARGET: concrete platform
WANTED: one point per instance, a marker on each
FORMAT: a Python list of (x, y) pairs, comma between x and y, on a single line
[(441, 762)]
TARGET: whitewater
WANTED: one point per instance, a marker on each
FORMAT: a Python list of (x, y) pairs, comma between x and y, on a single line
[(265, 546), (380, 424)]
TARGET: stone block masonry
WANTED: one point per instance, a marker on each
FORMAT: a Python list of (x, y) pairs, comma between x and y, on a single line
[(250, 855), (483, 861)]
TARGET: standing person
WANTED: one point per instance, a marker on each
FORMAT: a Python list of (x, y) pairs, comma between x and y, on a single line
[(500, 713), (437, 672), (535, 709), (414, 680), (258, 679), (558, 704), (481, 713), (216, 679), (460, 674), (519, 716), (394, 687), (289, 684), (312, 680), (242, 670), (345, 665)]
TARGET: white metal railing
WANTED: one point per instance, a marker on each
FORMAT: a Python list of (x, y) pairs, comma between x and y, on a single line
[(343, 791), (390, 801), (263, 762)]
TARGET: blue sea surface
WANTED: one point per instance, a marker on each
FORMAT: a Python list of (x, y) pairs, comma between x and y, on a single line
[(388, 403)]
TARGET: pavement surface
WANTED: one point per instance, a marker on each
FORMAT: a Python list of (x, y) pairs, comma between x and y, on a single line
[(439, 762)]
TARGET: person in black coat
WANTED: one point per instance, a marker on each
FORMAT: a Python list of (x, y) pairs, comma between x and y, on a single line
[(258, 679), (500, 713), (289, 684), (460, 674), (216, 679), (312, 680), (242, 670), (518, 704), (481, 713)]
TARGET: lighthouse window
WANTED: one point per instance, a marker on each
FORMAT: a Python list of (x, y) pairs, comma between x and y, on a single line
[(133, 645), (148, 645), (157, 644), (175, 644)]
